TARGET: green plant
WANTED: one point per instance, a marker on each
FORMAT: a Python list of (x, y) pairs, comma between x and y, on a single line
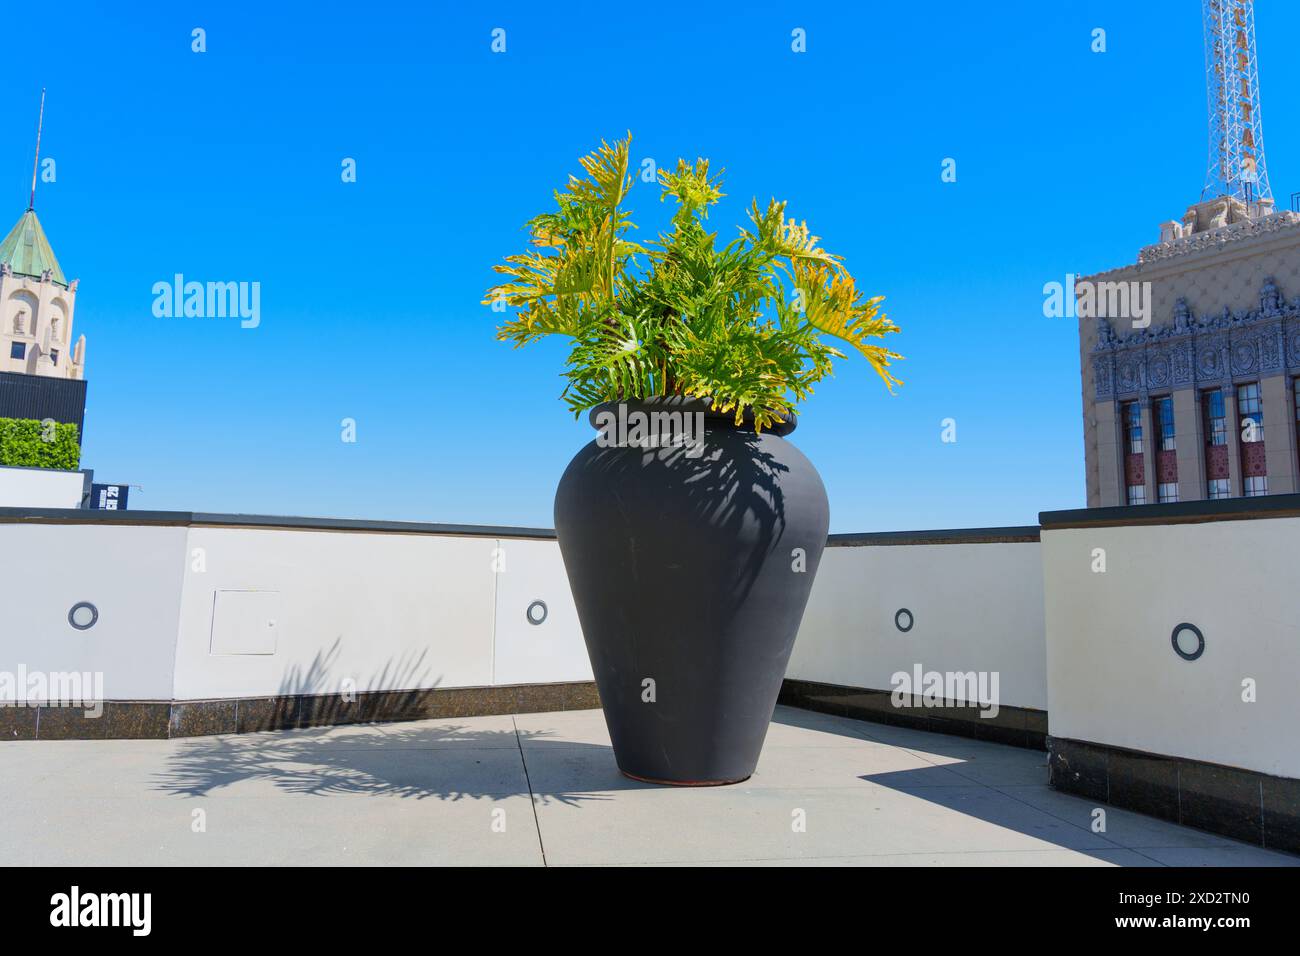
[(741, 325), (32, 444)]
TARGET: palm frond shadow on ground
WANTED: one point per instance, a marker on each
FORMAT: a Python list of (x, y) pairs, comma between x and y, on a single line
[(447, 761)]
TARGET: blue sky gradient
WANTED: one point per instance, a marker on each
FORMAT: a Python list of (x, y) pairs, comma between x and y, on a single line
[(225, 166)]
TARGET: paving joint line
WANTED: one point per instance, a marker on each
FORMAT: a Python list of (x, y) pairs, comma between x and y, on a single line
[(532, 799)]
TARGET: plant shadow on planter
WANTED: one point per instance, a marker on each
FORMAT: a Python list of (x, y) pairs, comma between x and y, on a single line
[(690, 573), (738, 496)]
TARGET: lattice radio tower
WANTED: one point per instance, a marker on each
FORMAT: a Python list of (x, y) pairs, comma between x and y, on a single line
[(1237, 166)]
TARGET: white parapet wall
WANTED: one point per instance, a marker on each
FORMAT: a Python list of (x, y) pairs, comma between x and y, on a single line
[(211, 606), (41, 488), (1119, 581), (974, 598), (285, 611), (204, 607), (270, 612)]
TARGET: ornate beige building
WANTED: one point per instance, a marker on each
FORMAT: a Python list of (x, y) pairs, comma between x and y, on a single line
[(1197, 395), (36, 307)]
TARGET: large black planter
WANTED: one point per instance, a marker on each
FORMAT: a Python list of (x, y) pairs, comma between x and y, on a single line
[(690, 573)]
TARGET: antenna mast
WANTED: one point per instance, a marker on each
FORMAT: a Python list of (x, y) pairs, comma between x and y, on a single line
[(31, 203), (1237, 166)]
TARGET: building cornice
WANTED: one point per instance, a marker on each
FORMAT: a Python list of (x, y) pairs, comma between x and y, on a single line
[(1238, 239), (1216, 239)]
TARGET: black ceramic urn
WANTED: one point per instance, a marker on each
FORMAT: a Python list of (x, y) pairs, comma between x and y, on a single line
[(691, 544)]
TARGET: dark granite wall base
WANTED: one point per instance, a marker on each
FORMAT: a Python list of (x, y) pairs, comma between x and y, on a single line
[(195, 718), (1242, 804), (1018, 726)]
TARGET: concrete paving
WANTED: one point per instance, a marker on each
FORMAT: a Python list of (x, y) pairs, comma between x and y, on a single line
[(543, 789)]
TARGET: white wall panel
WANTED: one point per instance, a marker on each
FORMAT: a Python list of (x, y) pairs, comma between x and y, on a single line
[(975, 607), (552, 651), (1113, 676), (387, 611), (133, 577)]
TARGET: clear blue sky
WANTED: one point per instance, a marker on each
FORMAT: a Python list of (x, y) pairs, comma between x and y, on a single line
[(226, 166)]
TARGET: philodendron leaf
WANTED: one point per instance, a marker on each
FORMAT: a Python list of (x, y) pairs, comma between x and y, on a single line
[(714, 323)]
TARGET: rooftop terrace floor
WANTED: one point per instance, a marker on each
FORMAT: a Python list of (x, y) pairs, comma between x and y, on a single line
[(543, 789)]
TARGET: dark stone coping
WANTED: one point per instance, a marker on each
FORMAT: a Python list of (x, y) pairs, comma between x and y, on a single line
[(212, 520), (196, 519), (1017, 726), (1183, 512), (163, 719), (1243, 804), (1014, 535)]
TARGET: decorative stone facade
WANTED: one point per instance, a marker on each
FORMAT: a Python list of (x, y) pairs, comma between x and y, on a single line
[(1220, 317), (1202, 353)]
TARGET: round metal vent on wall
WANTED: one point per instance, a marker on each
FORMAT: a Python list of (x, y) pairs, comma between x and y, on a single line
[(536, 612), (903, 620), (1179, 639), (83, 615)]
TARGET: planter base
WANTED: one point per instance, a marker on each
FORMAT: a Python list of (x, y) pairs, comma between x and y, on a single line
[(685, 783)]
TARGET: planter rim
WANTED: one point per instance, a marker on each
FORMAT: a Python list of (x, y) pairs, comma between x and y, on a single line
[(683, 403)]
